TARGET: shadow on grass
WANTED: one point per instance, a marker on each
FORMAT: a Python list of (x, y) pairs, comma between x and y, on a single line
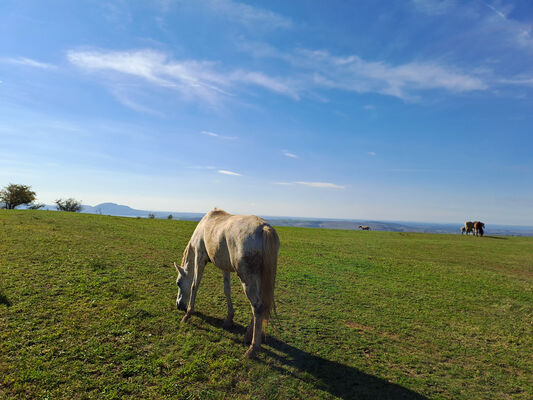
[(4, 300), (495, 237), (337, 379)]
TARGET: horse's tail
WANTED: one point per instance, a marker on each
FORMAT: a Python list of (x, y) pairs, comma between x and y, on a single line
[(268, 271)]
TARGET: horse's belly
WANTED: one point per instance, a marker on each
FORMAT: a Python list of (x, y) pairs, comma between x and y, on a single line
[(221, 260)]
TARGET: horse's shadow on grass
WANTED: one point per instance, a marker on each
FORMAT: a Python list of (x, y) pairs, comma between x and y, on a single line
[(495, 237), (337, 379)]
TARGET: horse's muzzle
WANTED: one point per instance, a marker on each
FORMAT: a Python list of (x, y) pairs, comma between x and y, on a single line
[(181, 307)]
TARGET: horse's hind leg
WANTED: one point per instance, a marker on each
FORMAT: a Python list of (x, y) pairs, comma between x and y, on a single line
[(253, 293), (228, 323), (249, 331)]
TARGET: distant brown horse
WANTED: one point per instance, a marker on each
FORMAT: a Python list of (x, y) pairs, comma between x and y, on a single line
[(364, 227), (478, 228), (463, 230), (469, 227)]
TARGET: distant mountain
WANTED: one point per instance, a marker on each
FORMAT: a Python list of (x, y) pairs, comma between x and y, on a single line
[(422, 227), (113, 209), (126, 211)]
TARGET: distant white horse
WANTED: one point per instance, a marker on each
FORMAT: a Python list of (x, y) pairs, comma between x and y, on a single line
[(244, 244)]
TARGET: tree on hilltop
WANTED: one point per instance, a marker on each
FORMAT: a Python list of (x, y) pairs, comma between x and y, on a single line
[(68, 205), (15, 195)]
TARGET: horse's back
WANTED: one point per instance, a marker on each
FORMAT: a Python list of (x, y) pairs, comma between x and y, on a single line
[(233, 239)]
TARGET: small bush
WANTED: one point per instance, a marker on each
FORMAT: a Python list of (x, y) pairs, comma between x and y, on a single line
[(68, 205)]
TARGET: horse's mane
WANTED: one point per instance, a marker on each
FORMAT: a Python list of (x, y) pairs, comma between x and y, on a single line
[(185, 254)]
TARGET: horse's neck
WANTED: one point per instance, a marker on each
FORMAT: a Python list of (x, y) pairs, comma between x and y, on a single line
[(188, 259)]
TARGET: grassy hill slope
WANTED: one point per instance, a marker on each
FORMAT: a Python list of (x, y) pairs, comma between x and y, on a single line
[(87, 310)]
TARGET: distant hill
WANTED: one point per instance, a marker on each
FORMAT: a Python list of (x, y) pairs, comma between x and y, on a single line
[(126, 211), (325, 223)]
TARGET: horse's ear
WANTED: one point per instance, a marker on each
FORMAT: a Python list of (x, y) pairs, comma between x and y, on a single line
[(179, 270)]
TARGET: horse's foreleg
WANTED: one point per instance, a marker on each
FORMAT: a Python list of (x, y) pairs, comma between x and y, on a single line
[(199, 271), (227, 291)]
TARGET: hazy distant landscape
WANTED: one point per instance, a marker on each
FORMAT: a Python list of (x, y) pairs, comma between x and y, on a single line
[(326, 223)]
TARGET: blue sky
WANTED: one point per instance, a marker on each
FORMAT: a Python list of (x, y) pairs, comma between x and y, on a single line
[(415, 110)]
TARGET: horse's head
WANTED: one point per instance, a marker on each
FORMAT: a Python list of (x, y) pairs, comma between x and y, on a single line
[(184, 288)]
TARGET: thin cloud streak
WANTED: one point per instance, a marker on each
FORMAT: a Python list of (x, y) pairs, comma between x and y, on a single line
[(289, 154), (28, 62), (226, 172), (519, 81), (320, 185), (216, 135), (128, 102)]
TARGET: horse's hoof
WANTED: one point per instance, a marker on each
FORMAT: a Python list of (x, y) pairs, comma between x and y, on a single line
[(251, 352)]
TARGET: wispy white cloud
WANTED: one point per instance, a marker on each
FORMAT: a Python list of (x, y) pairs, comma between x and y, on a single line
[(217, 135), (369, 107), (493, 23), (126, 100), (318, 69), (496, 11), (372, 153), (356, 74), (281, 86), (193, 79), (518, 33), (520, 81), (252, 16), (226, 172), (286, 153), (28, 62), (320, 185)]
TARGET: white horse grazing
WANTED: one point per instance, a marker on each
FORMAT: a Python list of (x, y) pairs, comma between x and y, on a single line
[(244, 244)]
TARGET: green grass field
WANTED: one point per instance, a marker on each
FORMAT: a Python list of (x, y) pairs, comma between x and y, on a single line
[(87, 310)]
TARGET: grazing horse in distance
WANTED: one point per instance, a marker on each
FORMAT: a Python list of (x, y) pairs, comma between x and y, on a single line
[(478, 228), (364, 227), (463, 230), (469, 227), (244, 244)]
